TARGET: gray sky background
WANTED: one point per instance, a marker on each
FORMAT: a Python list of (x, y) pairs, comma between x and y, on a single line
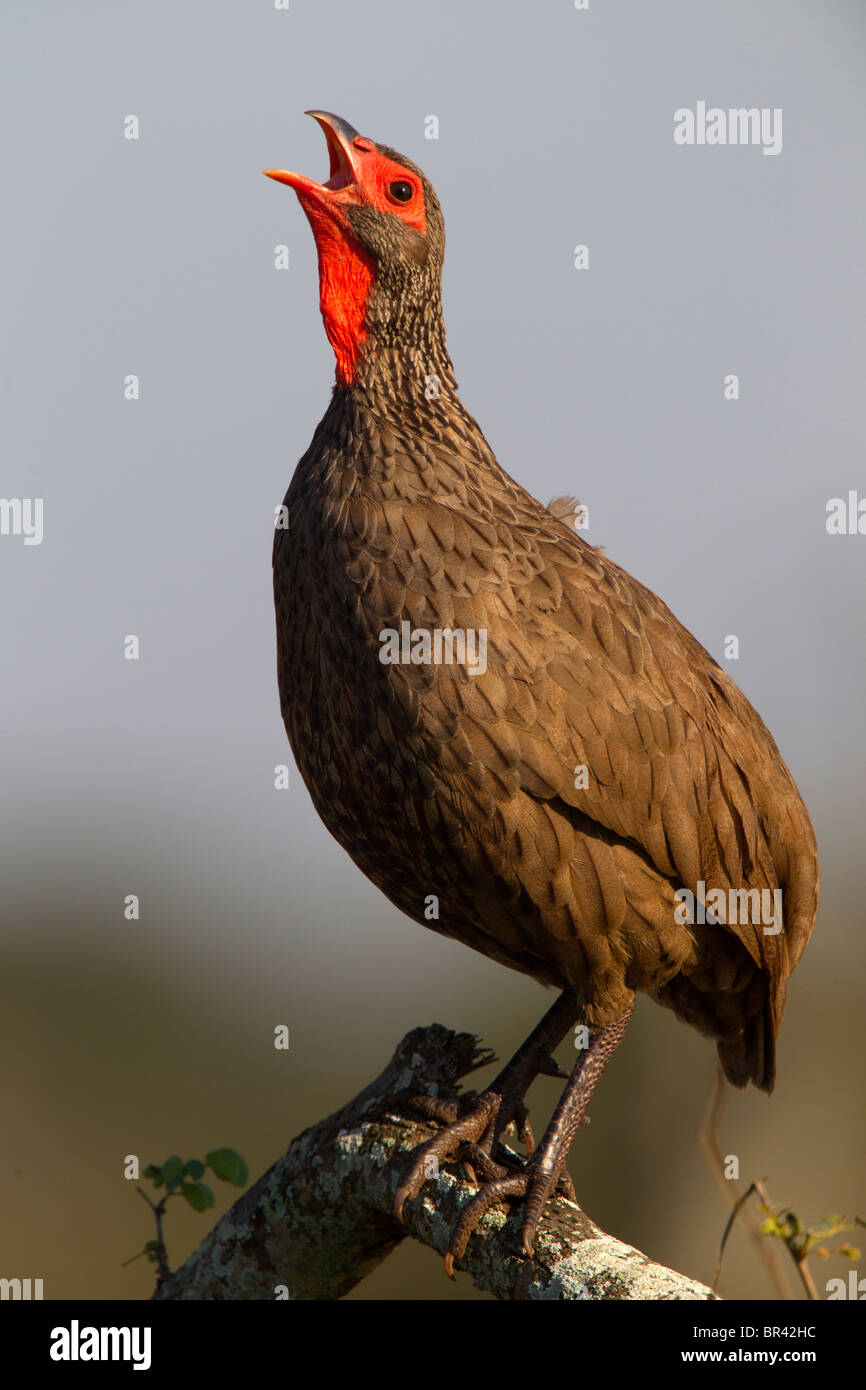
[(155, 257)]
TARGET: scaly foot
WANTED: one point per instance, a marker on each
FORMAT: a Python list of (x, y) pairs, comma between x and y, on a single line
[(472, 1131), (472, 1137)]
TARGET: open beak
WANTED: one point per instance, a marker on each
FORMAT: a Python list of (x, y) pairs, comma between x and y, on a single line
[(344, 156)]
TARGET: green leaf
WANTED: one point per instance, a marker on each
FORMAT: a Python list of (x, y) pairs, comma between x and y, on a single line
[(198, 1194), (172, 1170), (154, 1173), (194, 1168), (229, 1166), (851, 1252), (831, 1226)]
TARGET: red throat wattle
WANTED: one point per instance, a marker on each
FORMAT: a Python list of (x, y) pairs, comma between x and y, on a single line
[(361, 176), (346, 273)]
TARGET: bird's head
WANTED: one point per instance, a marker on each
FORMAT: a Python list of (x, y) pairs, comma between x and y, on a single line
[(380, 239)]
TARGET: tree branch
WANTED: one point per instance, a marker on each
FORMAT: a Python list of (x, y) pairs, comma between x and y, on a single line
[(322, 1218)]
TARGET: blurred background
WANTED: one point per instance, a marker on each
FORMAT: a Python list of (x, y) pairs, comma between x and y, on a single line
[(156, 777)]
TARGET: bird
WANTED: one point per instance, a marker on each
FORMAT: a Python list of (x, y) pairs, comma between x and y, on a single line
[(515, 740)]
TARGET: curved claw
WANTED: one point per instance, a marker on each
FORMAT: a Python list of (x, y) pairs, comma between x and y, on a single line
[(534, 1186), (541, 1184), (444, 1146), (490, 1195), (552, 1068), (524, 1129)]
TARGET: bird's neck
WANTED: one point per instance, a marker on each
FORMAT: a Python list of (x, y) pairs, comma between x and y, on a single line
[(403, 359), (405, 414), (404, 381)]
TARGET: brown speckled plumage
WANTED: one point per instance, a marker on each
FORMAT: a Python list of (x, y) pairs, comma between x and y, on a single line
[(438, 782)]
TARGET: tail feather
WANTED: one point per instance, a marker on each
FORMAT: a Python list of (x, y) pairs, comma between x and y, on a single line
[(752, 1056)]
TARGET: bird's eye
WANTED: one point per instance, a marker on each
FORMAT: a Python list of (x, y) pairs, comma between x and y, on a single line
[(401, 191)]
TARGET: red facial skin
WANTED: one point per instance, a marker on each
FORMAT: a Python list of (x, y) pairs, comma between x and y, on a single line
[(360, 175)]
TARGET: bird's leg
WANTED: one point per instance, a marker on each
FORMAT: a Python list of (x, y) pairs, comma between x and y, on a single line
[(497, 1106), (539, 1179)]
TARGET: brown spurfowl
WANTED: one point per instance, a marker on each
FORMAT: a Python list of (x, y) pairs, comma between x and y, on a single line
[(493, 717)]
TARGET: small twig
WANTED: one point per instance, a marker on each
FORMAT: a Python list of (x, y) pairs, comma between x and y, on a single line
[(158, 1209), (803, 1271), (735, 1210), (798, 1258), (709, 1141)]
